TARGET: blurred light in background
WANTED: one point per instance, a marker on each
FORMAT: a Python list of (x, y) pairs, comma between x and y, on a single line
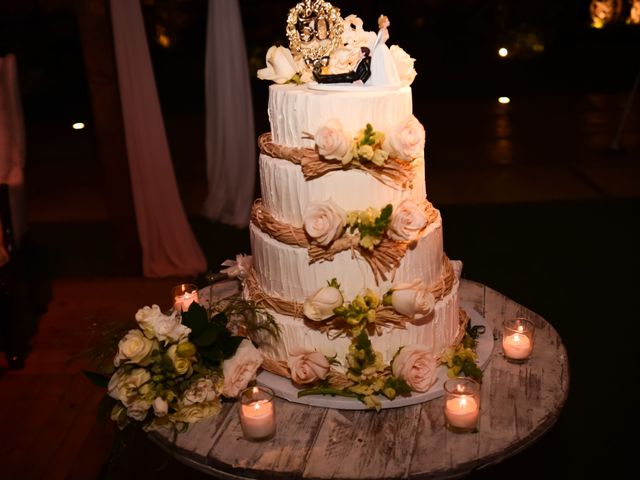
[(503, 52), (78, 126), (504, 100)]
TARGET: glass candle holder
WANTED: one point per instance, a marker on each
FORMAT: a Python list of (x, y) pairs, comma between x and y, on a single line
[(257, 413), (183, 296), (461, 404), (517, 339)]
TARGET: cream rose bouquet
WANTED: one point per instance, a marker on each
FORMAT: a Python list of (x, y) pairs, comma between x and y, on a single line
[(175, 368)]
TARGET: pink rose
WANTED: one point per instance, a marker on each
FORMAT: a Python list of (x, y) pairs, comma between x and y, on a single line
[(412, 300), (332, 141), (324, 222), (407, 221), (416, 366), (307, 367), (406, 139)]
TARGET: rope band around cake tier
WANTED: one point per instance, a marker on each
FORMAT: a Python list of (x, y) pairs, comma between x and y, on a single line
[(385, 316), (394, 173), (280, 367), (383, 260)]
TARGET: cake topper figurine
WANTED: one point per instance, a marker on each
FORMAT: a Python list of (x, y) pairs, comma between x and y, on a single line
[(314, 29)]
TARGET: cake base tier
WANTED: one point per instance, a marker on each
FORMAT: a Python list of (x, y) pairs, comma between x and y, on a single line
[(436, 332), (283, 387)]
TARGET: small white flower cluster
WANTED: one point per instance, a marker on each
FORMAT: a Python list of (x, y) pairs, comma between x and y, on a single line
[(324, 222), (404, 141)]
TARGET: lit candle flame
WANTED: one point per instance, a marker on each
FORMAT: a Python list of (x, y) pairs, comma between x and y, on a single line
[(463, 402), (255, 390), (256, 406), (520, 329)]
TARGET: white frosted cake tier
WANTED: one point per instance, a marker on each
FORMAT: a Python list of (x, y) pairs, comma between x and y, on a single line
[(284, 271), (286, 193), (295, 109), (437, 333)]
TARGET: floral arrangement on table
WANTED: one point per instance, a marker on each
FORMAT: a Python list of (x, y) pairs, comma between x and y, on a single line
[(176, 368)]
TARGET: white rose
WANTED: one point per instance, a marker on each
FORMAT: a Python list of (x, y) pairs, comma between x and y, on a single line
[(134, 347), (344, 60), (307, 367), (354, 35), (138, 409), (204, 390), (166, 328), (124, 386), (320, 306), (332, 141), (196, 412), (406, 139), (238, 268), (160, 407), (404, 64), (324, 221), (181, 364), (416, 366), (240, 369), (281, 67), (412, 299), (407, 221)]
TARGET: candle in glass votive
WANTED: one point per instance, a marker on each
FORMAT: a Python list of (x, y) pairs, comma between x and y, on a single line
[(184, 295), (517, 339), (462, 404), (257, 413)]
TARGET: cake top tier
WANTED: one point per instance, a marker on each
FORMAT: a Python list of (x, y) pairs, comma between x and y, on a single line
[(327, 49)]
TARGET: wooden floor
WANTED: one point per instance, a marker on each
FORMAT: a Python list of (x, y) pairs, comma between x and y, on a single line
[(49, 408)]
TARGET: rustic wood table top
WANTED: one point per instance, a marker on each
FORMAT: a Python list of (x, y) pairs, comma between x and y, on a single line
[(519, 403)]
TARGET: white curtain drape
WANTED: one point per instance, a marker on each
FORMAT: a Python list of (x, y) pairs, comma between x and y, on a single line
[(169, 247), (230, 136), (12, 143)]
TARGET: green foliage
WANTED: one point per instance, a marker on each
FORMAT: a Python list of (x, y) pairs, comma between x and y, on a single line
[(97, 379)]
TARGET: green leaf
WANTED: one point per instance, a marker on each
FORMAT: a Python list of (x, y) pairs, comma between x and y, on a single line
[(105, 406), (230, 345), (220, 318), (195, 318), (97, 378), (208, 336)]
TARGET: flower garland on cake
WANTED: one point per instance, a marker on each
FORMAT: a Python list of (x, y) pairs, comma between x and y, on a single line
[(387, 157), (381, 237)]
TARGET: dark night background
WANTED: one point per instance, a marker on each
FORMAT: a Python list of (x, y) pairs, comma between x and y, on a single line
[(536, 199)]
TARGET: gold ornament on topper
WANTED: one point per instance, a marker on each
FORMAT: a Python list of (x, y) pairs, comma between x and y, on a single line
[(314, 29)]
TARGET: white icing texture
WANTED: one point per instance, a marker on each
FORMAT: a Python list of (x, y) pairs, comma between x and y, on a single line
[(295, 109), (286, 194), (437, 333), (285, 271)]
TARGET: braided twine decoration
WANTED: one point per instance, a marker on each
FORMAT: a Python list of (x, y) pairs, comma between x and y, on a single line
[(384, 259), (394, 173), (336, 326)]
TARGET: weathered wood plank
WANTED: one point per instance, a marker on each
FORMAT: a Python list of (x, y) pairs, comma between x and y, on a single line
[(364, 444), (282, 456)]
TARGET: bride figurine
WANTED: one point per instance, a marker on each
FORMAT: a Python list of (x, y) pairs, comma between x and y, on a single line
[(383, 68)]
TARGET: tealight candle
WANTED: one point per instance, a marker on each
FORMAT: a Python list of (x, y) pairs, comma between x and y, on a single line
[(462, 404), (257, 413), (184, 295), (517, 339)]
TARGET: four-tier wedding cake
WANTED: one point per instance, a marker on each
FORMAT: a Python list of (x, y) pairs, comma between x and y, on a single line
[(347, 252)]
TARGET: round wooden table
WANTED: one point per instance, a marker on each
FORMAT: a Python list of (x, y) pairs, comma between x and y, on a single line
[(519, 404)]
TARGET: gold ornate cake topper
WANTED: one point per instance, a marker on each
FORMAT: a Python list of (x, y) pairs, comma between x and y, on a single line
[(314, 29)]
